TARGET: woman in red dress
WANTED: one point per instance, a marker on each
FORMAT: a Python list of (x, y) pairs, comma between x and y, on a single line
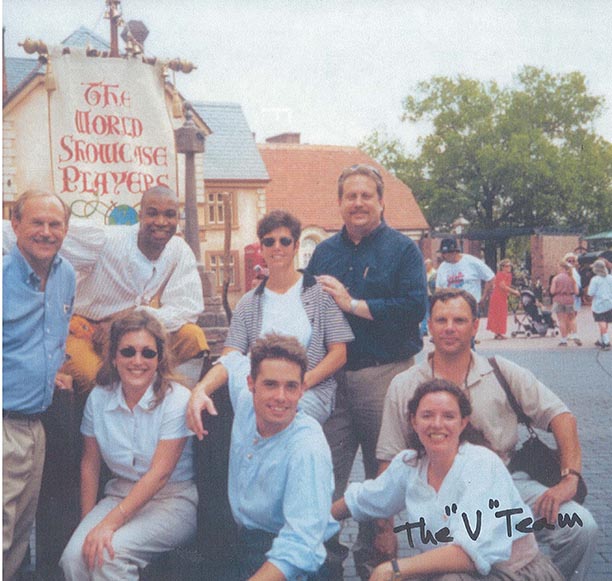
[(498, 305)]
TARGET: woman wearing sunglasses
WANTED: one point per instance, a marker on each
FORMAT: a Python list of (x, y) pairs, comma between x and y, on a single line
[(287, 302), (134, 421)]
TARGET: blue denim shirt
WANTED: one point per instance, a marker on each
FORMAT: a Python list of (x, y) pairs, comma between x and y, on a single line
[(386, 269), (35, 327)]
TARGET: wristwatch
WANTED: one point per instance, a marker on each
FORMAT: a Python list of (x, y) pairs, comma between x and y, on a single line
[(354, 303), (567, 471)]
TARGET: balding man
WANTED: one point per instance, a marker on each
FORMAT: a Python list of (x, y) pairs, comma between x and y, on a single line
[(37, 297), (125, 267)]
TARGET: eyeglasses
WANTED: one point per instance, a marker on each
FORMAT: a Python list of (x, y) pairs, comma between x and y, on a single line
[(269, 241), (129, 352), (362, 166)]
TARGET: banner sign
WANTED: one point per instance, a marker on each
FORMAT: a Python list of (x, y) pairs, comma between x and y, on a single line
[(111, 135)]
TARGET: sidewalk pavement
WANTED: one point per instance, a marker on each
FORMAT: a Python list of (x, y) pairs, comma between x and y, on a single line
[(582, 377)]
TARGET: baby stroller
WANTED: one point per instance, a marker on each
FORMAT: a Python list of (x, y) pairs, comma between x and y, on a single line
[(534, 320)]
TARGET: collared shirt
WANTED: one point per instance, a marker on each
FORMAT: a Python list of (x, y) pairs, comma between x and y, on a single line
[(491, 410), (386, 269), (327, 321), (476, 476), (128, 438), (35, 327), (467, 273), (115, 275), (282, 484)]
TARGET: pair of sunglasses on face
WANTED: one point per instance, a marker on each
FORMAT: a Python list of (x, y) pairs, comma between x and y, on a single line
[(284, 240), (129, 352)]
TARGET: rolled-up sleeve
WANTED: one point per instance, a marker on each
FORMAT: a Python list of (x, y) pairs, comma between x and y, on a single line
[(298, 548), (383, 497)]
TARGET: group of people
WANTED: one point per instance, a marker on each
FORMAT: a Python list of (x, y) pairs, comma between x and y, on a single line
[(566, 292), (319, 363)]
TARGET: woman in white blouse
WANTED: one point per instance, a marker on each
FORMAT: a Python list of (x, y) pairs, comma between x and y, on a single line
[(454, 494), (134, 420)]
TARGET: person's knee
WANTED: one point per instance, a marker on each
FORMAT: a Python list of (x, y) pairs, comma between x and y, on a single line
[(82, 362), (188, 342), (72, 563), (576, 530), (587, 533)]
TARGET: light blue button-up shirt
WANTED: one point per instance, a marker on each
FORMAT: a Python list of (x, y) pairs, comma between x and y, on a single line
[(35, 327), (282, 484), (128, 439)]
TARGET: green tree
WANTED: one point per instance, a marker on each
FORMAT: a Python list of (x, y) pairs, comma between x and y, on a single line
[(523, 156)]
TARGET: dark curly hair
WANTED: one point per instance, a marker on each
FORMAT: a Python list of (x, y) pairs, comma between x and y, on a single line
[(469, 434), (279, 219)]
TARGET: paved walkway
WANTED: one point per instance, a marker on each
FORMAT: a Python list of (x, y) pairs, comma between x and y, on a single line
[(582, 377)]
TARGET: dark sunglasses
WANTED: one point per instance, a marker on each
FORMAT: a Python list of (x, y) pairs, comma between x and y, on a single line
[(129, 352), (284, 240)]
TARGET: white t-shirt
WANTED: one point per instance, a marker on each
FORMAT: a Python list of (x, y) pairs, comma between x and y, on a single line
[(467, 273), (284, 313), (600, 288)]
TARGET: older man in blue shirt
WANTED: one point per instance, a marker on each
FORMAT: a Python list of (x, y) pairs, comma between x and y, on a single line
[(37, 296), (376, 275), (280, 471)]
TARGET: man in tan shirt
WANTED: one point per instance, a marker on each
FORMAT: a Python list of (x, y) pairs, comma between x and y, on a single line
[(453, 324)]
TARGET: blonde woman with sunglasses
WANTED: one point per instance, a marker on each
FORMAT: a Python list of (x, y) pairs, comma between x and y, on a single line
[(134, 420)]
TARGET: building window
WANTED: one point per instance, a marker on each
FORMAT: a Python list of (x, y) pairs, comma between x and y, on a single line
[(215, 212), (215, 264)]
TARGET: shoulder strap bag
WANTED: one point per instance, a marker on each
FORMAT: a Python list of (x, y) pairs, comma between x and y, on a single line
[(534, 457)]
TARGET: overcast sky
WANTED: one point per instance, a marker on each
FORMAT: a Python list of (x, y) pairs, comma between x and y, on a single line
[(335, 71)]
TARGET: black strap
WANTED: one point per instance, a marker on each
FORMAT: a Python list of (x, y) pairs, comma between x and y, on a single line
[(518, 410)]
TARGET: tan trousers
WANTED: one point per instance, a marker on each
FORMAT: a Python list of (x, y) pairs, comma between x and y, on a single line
[(23, 458)]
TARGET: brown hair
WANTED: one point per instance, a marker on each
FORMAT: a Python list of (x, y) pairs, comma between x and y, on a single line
[(274, 346), (279, 219), (364, 170), (138, 321), (469, 433), (447, 294)]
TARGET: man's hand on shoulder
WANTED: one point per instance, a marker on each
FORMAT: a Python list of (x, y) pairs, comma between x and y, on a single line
[(337, 291)]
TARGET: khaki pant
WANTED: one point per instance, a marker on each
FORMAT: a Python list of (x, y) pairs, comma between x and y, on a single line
[(23, 458), (167, 521)]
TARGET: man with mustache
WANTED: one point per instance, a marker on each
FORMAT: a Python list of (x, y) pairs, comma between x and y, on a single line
[(376, 276)]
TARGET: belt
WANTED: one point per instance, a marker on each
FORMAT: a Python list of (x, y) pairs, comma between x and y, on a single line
[(8, 414)]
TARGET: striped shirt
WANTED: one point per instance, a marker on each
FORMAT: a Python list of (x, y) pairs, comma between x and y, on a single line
[(113, 274), (327, 321)]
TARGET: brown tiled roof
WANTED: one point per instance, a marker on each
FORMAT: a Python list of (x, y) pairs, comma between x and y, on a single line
[(303, 180)]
